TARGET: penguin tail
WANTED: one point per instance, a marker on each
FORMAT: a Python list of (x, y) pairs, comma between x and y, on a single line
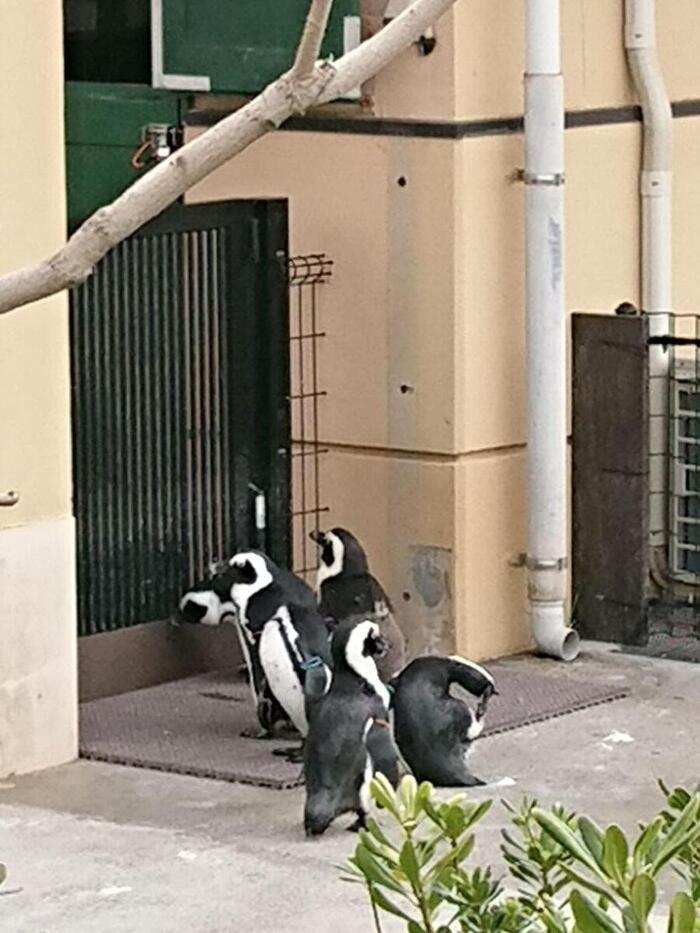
[(319, 813)]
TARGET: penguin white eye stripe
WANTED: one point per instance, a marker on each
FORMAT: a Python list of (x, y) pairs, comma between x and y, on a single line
[(364, 666), (242, 592), (475, 667), (326, 571)]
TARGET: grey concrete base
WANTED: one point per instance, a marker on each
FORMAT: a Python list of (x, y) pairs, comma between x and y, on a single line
[(106, 849), (144, 655)]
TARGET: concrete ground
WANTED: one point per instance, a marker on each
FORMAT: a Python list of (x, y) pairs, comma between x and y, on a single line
[(93, 847)]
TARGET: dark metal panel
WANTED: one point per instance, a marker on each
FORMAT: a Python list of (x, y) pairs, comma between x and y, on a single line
[(180, 404), (271, 231), (610, 477)]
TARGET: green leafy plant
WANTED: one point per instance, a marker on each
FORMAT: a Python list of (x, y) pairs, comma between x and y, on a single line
[(565, 874), (687, 863)]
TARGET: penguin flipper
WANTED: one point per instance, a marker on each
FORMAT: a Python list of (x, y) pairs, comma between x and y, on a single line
[(382, 751)]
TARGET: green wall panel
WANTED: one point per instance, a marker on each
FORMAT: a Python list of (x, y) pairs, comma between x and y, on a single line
[(103, 130), (241, 45)]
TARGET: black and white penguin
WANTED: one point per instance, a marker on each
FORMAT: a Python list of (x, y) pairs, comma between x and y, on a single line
[(346, 589), (281, 625), (434, 730), (201, 605), (349, 737)]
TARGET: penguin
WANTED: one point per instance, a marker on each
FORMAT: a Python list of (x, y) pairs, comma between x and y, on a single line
[(201, 605), (349, 736), (434, 730), (345, 589), (282, 628)]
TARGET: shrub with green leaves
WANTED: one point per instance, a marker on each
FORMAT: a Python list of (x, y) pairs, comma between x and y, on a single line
[(564, 874)]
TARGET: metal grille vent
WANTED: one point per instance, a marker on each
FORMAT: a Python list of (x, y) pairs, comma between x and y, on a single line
[(685, 471)]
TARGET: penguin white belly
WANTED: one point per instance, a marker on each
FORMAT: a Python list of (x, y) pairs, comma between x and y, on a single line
[(280, 673)]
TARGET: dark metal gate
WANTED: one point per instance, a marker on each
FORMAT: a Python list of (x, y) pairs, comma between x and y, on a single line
[(180, 394)]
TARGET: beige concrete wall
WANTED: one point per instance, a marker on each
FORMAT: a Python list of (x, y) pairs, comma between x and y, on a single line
[(428, 294), (489, 54), (37, 612), (389, 319), (475, 71), (602, 237)]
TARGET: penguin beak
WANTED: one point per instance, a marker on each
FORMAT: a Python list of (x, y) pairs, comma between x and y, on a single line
[(318, 537)]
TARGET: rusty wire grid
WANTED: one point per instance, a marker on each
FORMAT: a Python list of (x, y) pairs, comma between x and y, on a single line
[(307, 275)]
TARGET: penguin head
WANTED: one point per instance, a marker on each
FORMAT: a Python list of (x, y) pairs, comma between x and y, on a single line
[(357, 642), (201, 605), (341, 553), (244, 575)]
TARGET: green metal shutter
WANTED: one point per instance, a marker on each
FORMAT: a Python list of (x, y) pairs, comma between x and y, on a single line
[(235, 46)]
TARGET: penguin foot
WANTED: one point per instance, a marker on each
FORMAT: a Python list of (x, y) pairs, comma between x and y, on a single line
[(252, 733), (360, 822), (293, 755)]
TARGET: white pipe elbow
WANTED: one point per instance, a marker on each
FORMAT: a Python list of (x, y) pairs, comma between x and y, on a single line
[(551, 633)]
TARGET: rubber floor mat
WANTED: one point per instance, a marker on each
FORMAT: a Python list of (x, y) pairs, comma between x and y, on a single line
[(194, 726)]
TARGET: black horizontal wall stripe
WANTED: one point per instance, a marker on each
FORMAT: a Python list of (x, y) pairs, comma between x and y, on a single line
[(445, 129)]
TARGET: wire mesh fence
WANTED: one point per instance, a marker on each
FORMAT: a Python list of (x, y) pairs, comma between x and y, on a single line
[(308, 274)]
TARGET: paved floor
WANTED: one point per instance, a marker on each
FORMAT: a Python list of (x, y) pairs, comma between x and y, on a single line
[(103, 848)]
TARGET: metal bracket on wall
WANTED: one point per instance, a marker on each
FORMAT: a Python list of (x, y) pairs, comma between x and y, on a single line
[(532, 563), (554, 180), (8, 499)]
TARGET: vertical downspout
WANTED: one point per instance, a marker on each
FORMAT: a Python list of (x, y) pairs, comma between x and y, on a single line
[(656, 268), (546, 333)]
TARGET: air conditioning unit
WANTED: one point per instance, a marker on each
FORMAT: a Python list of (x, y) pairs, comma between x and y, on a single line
[(684, 471)]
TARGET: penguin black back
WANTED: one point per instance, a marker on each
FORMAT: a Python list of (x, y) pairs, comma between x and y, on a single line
[(434, 730), (258, 587), (349, 737)]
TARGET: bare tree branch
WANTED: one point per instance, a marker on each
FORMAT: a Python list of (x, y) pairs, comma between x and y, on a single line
[(311, 39), (152, 193)]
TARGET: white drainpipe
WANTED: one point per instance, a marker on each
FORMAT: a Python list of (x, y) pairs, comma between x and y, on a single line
[(546, 333), (656, 268)]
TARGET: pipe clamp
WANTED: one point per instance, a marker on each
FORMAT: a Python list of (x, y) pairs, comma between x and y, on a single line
[(553, 179)]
